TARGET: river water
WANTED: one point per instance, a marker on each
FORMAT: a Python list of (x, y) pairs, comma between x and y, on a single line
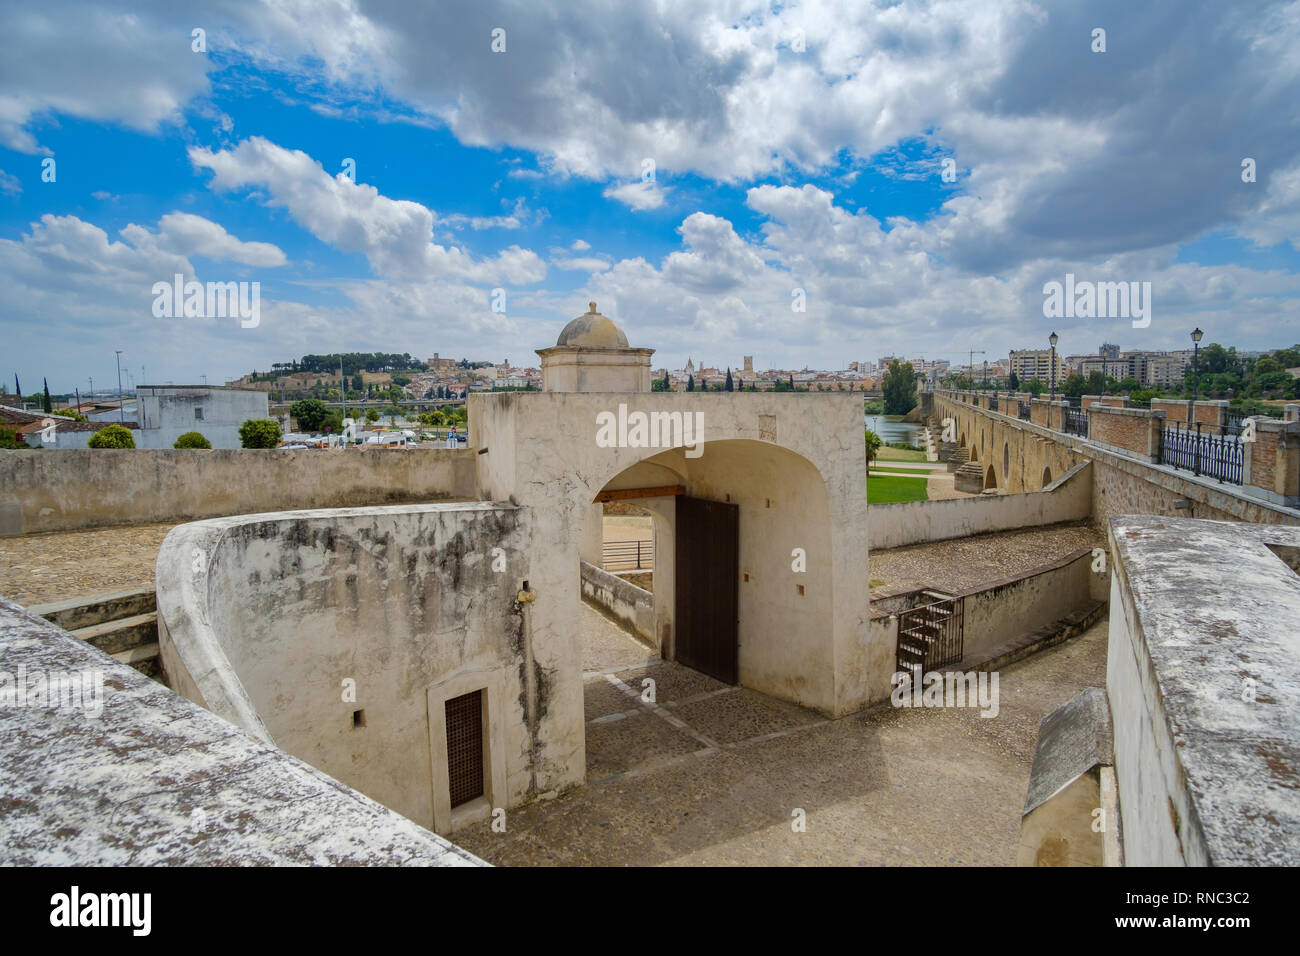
[(892, 428)]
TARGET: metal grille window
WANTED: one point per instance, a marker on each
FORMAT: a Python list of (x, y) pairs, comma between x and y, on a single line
[(465, 747)]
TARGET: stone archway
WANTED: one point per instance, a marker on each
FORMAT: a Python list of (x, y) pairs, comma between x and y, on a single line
[(1047, 475), (784, 508), (990, 479)]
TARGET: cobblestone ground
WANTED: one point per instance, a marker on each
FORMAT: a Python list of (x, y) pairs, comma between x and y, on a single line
[(40, 568), (982, 559), (713, 775)]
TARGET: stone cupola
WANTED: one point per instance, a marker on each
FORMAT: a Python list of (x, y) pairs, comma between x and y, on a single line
[(592, 355)]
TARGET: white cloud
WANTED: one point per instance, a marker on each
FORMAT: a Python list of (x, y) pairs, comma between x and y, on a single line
[(580, 245), (186, 234), (10, 184), (395, 235), (639, 195)]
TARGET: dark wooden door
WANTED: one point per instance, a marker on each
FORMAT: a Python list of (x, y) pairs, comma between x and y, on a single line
[(708, 565)]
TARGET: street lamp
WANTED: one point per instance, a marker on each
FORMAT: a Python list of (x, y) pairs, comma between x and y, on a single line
[(1196, 361), (121, 413), (1053, 339)]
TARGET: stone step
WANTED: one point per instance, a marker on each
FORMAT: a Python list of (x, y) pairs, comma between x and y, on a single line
[(81, 612), (143, 658), (120, 636)]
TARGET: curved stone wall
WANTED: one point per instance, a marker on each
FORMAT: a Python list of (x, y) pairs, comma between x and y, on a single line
[(325, 632)]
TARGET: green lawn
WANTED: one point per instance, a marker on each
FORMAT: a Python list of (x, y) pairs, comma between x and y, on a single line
[(890, 466), (883, 489), (899, 454)]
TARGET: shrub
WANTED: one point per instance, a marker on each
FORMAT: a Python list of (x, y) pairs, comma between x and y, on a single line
[(259, 433), (70, 413), (192, 440), (9, 438), (114, 436)]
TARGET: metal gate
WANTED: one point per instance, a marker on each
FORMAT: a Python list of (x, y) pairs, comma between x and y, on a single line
[(708, 564), (465, 747), (932, 635)]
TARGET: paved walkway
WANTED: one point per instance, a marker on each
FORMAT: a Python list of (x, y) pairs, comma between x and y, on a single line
[(39, 568), (716, 775), (981, 559)]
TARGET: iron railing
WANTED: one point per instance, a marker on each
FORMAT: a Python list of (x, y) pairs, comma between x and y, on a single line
[(1024, 411), (1215, 456), (931, 636), (1076, 422), (628, 555)]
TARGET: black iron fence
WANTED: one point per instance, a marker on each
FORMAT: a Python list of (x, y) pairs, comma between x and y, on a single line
[(1215, 456), (931, 636), (1024, 411), (628, 555), (1076, 422)]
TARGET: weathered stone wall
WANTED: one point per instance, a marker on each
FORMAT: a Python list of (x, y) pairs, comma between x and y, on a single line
[(895, 525), (1204, 690), (1134, 430), (627, 602), (1123, 484), (265, 619), (997, 613), (66, 490)]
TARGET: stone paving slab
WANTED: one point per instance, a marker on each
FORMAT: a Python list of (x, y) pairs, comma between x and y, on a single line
[(623, 745), (884, 787), (742, 715)]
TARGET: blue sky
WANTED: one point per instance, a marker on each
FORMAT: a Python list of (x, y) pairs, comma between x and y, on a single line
[(793, 147)]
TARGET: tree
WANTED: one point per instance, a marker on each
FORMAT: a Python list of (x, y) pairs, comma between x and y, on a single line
[(690, 383), (730, 386), (899, 388), (46, 404), (192, 440), (668, 387), (260, 433), (1074, 384), (310, 414), (1034, 386), (114, 436), (358, 383), (873, 447), (9, 438), (1129, 384), (1013, 383), (372, 415), (72, 413)]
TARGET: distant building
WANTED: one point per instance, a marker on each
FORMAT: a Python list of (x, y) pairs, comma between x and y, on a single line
[(1029, 364), (165, 412)]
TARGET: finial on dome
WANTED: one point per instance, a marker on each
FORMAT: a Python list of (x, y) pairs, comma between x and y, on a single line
[(591, 308)]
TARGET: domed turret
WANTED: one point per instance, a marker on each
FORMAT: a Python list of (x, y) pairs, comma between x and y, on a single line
[(592, 355), (592, 331)]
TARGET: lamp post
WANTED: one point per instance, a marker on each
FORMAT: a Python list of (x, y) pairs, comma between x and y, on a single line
[(1196, 362), (1052, 373), (121, 414)]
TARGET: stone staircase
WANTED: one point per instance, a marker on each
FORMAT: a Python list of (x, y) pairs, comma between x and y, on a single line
[(122, 624), (969, 477), (956, 456)]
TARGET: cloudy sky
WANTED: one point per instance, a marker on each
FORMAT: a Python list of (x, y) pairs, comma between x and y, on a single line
[(687, 165)]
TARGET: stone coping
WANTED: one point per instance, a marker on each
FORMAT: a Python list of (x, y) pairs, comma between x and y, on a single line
[(155, 780), (1202, 631)]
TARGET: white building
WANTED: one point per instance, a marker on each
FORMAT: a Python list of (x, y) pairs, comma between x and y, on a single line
[(165, 412)]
